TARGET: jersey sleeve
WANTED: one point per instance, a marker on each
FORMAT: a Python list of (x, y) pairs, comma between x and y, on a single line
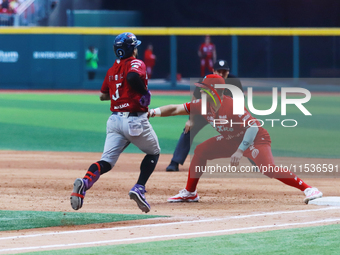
[(137, 66), (105, 85), (195, 106), (187, 107)]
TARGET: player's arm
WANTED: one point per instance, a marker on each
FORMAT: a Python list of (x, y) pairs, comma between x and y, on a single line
[(89, 55), (105, 91), (248, 139), (188, 125), (169, 110), (190, 122), (104, 96), (136, 83)]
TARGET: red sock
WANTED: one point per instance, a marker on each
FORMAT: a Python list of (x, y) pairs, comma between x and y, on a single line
[(192, 183), (291, 179), (194, 177)]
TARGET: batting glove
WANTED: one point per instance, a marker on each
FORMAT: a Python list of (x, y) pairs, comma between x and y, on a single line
[(151, 113), (145, 99)]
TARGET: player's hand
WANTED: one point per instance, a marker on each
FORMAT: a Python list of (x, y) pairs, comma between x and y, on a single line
[(145, 99), (235, 158), (151, 113), (104, 96), (187, 126)]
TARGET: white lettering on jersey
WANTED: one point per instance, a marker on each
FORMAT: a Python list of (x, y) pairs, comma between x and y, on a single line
[(122, 106), (116, 96), (221, 128), (219, 138)]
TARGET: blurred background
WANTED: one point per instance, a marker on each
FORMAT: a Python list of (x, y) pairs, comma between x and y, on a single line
[(34, 55)]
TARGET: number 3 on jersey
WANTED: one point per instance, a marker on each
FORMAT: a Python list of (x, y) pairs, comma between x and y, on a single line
[(116, 95)]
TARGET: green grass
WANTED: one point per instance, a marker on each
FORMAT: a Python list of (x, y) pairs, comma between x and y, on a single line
[(308, 240), (16, 220), (72, 122)]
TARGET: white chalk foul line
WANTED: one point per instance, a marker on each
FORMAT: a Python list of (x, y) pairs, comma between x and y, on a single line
[(147, 238), (172, 223)]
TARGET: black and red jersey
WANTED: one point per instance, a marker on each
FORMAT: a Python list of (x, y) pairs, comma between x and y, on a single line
[(123, 97)]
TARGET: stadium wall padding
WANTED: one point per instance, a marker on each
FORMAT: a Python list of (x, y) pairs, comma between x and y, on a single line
[(48, 61)]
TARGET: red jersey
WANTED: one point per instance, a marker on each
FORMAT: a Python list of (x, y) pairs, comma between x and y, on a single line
[(207, 50), (123, 97), (237, 124)]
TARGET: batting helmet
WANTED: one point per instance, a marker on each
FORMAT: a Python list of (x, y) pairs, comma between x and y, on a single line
[(124, 44)]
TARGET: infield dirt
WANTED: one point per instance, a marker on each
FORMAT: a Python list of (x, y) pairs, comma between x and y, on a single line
[(42, 181)]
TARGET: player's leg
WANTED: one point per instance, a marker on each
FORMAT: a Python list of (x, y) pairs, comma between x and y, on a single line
[(263, 157), (181, 151), (213, 148), (184, 143), (210, 65), (115, 143), (202, 67), (81, 185), (147, 142), (207, 66), (149, 71), (91, 75)]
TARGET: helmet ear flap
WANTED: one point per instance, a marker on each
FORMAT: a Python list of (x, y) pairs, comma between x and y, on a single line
[(120, 53)]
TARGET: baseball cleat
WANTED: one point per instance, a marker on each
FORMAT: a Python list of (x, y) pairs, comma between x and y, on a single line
[(311, 194), (173, 167), (137, 194), (78, 194), (184, 196)]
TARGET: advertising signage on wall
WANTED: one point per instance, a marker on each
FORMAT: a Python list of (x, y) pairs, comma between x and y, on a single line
[(9, 56), (55, 55), (45, 61)]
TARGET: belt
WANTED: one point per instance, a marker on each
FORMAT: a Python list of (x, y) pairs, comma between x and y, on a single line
[(126, 114)]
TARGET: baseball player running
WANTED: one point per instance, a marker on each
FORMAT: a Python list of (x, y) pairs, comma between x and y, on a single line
[(235, 141), (125, 84)]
